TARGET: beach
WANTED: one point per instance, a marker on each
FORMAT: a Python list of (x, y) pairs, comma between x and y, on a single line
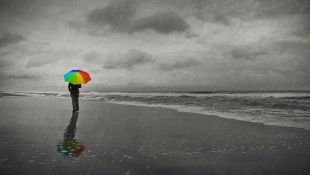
[(129, 139)]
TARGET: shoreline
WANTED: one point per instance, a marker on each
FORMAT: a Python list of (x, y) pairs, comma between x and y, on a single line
[(177, 107)]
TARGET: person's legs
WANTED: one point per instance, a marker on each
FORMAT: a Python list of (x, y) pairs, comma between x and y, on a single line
[(77, 100), (74, 101)]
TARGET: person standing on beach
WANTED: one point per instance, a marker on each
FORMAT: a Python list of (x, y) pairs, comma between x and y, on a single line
[(74, 92)]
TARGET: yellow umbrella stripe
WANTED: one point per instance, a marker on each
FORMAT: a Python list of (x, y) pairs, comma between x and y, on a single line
[(79, 79)]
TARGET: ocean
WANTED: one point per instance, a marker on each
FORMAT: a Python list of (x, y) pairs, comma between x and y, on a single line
[(280, 108)]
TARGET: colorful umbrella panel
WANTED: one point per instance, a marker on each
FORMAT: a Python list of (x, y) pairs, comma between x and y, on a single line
[(77, 77)]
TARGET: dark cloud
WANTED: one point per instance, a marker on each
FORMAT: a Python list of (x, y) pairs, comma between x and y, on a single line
[(135, 58), (282, 7), (179, 64), (15, 7), (128, 61), (125, 15), (299, 9), (222, 11), (162, 22), (116, 15), (27, 10), (121, 16), (8, 38), (246, 53), (215, 11)]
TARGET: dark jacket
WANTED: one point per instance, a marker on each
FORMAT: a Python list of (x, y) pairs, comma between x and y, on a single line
[(74, 88)]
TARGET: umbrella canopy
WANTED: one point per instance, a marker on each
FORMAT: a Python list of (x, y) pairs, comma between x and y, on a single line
[(77, 77)]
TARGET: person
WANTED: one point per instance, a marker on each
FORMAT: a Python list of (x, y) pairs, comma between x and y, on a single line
[(74, 92)]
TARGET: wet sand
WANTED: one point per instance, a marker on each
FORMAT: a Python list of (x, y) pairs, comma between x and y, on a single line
[(123, 139)]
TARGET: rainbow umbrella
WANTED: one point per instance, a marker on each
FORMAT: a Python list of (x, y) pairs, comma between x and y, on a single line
[(77, 77)]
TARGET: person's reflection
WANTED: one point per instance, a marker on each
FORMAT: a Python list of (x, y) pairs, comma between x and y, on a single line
[(71, 147)]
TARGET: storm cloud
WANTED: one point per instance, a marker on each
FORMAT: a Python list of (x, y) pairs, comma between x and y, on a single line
[(9, 38), (204, 43), (164, 22), (117, 15), (121, 16), (282, 7), (134, 58), (127, 61)]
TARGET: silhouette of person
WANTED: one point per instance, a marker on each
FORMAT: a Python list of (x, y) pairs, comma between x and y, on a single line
[(71, 147), (74, 92)]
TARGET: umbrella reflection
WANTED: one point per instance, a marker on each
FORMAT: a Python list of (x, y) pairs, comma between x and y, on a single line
[(71, 147)]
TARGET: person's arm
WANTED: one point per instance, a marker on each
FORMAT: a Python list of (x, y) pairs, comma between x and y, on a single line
[(69, 87), (79, 86)]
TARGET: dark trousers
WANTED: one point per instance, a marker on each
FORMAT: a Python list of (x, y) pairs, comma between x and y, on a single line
[(75, 100)]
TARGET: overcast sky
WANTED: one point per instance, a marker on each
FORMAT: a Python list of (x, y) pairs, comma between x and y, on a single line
[(155, 44)]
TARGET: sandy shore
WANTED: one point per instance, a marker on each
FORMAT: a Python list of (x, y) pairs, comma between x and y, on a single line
[(130, 140)]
